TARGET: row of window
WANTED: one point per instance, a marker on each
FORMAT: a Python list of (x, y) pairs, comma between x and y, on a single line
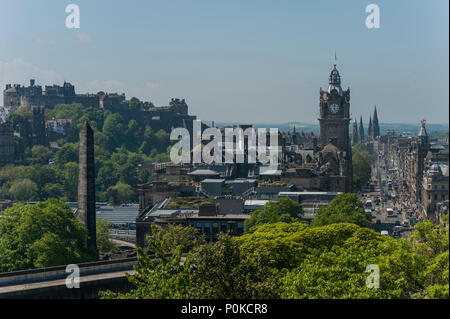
[(436, 197), (222, 225)]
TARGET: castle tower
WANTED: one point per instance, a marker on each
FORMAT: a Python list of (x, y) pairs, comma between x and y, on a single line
[(376, 126), (38, 131), (361, 130), (86, 183), (355, 133)]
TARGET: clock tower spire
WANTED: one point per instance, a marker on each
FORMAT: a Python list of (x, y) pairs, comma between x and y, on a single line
[(335, 113), (335, 147)]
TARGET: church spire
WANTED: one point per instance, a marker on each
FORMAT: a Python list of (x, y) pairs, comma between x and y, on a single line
[(355, 133), (376, 126), (361, 130), (370, 129)]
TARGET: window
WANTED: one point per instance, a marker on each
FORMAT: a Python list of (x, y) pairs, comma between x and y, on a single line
[(223, 227)]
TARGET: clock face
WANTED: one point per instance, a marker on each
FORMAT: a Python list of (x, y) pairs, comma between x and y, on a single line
[(334, 108)]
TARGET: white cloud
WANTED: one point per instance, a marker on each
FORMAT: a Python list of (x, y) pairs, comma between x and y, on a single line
[(83, 37)]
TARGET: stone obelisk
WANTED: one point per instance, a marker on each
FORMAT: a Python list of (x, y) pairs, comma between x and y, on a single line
[(86, 183)]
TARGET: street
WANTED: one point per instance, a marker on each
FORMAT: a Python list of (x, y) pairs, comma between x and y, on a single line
[(389, 201)]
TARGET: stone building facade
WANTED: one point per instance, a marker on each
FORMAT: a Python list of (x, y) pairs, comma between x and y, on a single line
[(16, 95), (435, 187), (6, 144), (415, 163)]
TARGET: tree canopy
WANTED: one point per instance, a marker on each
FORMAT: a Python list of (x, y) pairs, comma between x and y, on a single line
[(344, 208), (294, 260), (282, 209), (362, 166), (42, 235)]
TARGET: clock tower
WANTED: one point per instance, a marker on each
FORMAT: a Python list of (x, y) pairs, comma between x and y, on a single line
[(335, 114), (335, 155)]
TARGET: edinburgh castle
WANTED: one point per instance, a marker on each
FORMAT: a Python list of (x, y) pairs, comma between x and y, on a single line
[(164, 117)]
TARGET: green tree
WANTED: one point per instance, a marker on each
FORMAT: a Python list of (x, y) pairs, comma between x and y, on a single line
[(121, 193), (19, 148), (185, 237), (133, 135), (23, 190), (70, 180), (338, 273), (25, 112), (362, 166), (145, 148), (52, 190), (42, 235), (10, 173), (107, 176), (344, 208), (43, 175), (67, 153), (113, 128), (158, 277), (144, 176), (104, 244), (222, 271), (284, 245), (417, 267), (41, 154), (134, 103), (162, 140), (280, 210)]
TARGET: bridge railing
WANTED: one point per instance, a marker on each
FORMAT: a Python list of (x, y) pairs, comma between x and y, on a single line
[(59, 272)]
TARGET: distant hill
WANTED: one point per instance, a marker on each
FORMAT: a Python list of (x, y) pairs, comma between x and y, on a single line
[(384, 127)]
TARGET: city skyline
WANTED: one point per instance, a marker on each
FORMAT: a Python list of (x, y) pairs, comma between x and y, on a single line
[(245, 62)]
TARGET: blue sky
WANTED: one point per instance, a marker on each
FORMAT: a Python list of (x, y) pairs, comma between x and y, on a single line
[(245, 61)]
